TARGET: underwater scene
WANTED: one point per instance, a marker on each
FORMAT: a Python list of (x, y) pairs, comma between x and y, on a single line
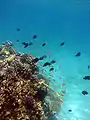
[(44, 59)]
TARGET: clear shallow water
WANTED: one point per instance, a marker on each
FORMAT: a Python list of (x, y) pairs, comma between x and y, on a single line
[(54, 22)]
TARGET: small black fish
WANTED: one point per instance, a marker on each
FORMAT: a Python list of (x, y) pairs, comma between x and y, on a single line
[(70, 110), (18, 29), (86, 77), (34, 36), (17, 40), (35, 60), (25, 44), (62, 43), (84, 92), (30, 43), (78, 54), (88, 66), (42, 57), (53, 61), (43, 44), (46, 64), (51, 69)]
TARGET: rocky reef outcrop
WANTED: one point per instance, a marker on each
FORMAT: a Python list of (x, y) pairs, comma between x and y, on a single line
[(23, 94)]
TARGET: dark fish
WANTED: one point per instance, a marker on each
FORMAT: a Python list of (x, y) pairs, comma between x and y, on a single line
[(18, 29), (17, 40), (35, 60), (46, 64), (70, 110), (51, 69), (53, 61), (25, 44), (86, 77), (62, 43), (42, 57), (88, 66), (78, 54), (34, 36), (30, 43), (84, 92), (43, 44)]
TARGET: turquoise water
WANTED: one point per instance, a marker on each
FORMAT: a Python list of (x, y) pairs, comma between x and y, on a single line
[(54, 21)]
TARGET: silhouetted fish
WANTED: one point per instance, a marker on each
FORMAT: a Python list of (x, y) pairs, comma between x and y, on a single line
[(78, 54), (88, 66), (17, 40), (25, 44), (46, 64), (51, 69), (30, 43), (86, 77), (84, 92), (42, 57), (35, 60), (53, 61), (34, 36), (18, 29), (43, 44), (70, 110), (62, 43)]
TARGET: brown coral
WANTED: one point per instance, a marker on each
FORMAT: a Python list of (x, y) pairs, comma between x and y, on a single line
[(22, 92), (18, 94)]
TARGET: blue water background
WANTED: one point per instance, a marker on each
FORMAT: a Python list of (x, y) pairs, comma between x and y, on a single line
[(54, 21)]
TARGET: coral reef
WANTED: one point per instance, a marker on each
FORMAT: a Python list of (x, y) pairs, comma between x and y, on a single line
[(23, 95)]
